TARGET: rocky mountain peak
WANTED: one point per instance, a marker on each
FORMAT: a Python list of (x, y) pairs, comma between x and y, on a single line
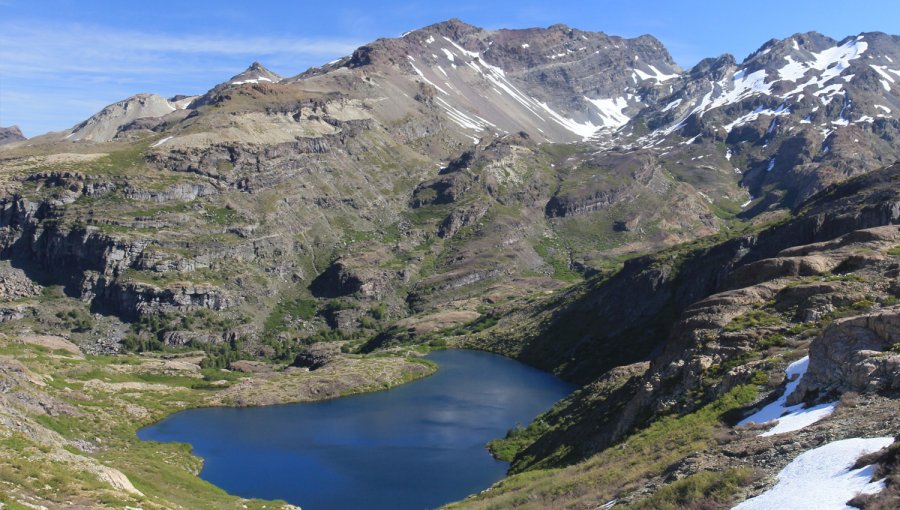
[(714, 68), (801, 112), (454, 28), (556, 83), (105, 125), (11, 134), (256, 73)]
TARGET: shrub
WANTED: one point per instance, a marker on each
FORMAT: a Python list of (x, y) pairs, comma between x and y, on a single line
[(759, 377), (752, 319), (775, 340), (706, 489), (379, 312)]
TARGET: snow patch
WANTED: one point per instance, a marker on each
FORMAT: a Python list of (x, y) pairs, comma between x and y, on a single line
[(742, 86), (883, 72), (822, 478), (721, 93), (827, 94), (422, 75), (611, 111), (465, 121), (793, 70), (673, 104), (657, 74), (526, 46), (750, 117), (789, 418), (690, 141), (164, 140), (448, 53), (258, 79), (497, 77), (472, 54), (582, 129), (830, 62), (181, 104)]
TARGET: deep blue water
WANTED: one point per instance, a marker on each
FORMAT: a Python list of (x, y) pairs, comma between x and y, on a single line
[(416, 446)]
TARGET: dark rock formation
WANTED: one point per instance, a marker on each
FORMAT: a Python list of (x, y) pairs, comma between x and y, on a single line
[(316, 356), (359, 276)]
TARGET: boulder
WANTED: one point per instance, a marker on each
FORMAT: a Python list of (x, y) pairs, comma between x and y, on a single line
[(250, 367)]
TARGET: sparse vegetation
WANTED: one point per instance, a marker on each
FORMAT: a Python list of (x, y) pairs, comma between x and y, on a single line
[(618, 469), (753, 319), (707, 489)]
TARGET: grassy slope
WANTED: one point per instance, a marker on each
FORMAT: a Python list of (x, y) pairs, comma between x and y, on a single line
[(616, 470), (105, 400)]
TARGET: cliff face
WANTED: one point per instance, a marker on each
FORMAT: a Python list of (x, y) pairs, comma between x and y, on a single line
[(622, 319), (678, 309), (89, 263), (853, 354)]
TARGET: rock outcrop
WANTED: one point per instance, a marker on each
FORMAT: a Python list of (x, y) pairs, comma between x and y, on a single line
[(854, 354), (361, 276), (11, 134), (14, 284), (316, 356)]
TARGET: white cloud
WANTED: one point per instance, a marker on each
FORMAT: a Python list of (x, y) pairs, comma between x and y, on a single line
[(67, 67)]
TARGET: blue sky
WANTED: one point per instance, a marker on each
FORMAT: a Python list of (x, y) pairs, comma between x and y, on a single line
[(62, 60)]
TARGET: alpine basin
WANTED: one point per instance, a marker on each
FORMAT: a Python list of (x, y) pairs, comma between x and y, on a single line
[(412, 447)]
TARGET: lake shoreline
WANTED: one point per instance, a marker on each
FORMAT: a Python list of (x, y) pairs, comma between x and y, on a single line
[(100, 402), (480, 386)]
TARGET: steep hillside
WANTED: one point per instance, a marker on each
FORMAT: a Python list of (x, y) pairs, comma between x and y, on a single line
[(361, 180), (675, 432), (793, 117)]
